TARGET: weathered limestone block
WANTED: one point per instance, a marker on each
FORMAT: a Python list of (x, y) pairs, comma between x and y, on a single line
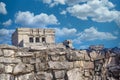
[(22, 68), (60, 65), (51, 53), (41, 66), (28, 60), (58, 58), (87, 73), (8, 69), (24, 54), (59, 74), (55, 57), (78, 64), (60, 79), (88, 65), (86, 57), (75, 74), (6, 77), (44, 76), (2, 68), (1, 53), (74, 56), (85, 53), (32, 60), (42, 55), (9, 60), (93, 55), (28, 76), (8, 53), (62, 58), (62, 53)]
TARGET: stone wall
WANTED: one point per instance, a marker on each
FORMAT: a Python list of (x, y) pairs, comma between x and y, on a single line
[(58, 64)]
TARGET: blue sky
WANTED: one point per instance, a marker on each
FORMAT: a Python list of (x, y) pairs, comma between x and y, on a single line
[(85, 22)]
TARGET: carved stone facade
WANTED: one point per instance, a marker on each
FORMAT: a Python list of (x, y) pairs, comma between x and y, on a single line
[(27, 37)]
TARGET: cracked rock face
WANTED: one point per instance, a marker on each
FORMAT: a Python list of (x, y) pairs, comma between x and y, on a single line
[(59, 64), (75, 74), (22, 68)]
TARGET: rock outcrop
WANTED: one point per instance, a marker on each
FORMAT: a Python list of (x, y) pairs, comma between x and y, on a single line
[(59, 64)]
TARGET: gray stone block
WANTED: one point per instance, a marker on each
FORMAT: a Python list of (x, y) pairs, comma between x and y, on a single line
[(60, 65)]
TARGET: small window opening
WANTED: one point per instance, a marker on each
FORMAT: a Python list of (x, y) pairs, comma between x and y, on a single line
[(31, 40), (43, 39), (37, 39)]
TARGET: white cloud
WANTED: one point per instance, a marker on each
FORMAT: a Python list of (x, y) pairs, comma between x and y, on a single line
[(53, 3), (65, 32), (47, 1), (97, 10), (29, 19), (2, 8), (73, 2), (63, 12), (118, 20), (7, 23), (5, 36), (56, 2), (91, 34)]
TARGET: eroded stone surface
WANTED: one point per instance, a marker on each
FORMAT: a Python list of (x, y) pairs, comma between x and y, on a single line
[(58, 64), (59, 74), (75, 74), (22, 68)]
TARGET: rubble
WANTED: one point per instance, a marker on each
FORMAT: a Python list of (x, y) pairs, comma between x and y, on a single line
[(59, 64)]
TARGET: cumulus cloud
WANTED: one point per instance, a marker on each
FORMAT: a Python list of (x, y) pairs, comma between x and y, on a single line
[(65, 32), (7, 23), (91, 34), (53, 3), (5, 36), (47, 1), (63, 12), (97, 10), (3, 8), (29, 19), (118, 20)]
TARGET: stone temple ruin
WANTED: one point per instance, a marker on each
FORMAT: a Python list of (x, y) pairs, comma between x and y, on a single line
[(37, 38), (26, 37), (20, 62)]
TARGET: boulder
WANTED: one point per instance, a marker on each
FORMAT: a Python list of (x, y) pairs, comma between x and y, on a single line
[(8, 53), (24, 54), (75, 74), (29, 76), (93, 55), (78, 64), (60, 65), (59, 74), (6, 77), (8, 69), (9, 60), (75, 56), (22, 68), (44, 76)]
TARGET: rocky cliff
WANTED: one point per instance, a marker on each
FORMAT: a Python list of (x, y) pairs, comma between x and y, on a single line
[(59, 64)]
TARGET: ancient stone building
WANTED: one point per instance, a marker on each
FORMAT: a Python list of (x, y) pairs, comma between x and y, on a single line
[(27, 37)]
